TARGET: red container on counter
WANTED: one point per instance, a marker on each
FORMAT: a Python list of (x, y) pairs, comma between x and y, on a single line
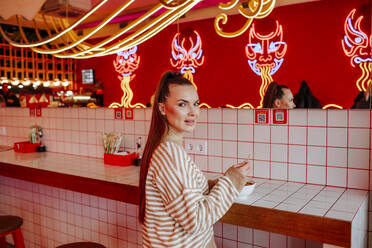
[(25, 146), (120, 160)]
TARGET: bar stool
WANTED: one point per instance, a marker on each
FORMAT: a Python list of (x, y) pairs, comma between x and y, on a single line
[(82, 245), (11, 225)]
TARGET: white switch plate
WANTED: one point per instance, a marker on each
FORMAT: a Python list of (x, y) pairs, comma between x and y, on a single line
[(196, 147), (3, 130)]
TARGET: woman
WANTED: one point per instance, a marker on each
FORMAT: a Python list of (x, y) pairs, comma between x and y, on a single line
[(279, 97), (177, 208)]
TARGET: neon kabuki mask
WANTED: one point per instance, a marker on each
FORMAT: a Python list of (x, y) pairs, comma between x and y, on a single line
[(125, 64), (187, 53), (265, 55), (357, 45)]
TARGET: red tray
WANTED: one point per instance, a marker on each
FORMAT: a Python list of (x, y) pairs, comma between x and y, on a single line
[(120, 160), (25, 146)]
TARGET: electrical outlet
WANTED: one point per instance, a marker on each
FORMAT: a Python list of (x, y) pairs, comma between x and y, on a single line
[(196, 146)]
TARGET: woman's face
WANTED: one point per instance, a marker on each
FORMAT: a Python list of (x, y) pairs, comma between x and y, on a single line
[(181, 108), (286, 102)]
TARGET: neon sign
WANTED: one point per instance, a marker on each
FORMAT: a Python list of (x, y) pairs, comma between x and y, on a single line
[(187, 57), (125, 64), (357, 46), (265, 55)]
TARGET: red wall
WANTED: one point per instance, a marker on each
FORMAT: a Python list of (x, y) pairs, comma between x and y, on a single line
[(313, 32)]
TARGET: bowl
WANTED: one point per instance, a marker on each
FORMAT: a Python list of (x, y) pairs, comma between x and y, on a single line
[(247, 188)]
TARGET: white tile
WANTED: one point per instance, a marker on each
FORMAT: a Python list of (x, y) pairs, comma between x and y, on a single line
[(297, 135), (297, 154), (261, 133), (316, 136), (245, 116), (358, 179), (294, 242), (317, 117), (229, 132), (297, 117), (336, 177), (245, 132), (279, 171), (201, 162), (313, 211), (201, 130), (337, 117), (227, 163), (337, 137), (358, 158), (261, 169), (244, 245), (359, 118), (229, 149), (227, 243), (138, 114), (261, 151), (261, 238), (340, 215), (215, 164), (316, 155), (278, 240), (214, 131), (229, 116), (279, 134), (316, 174), (229, 231), (245, 234), (217, 227), (297, 173), (245, 149), (279, 153), (336, 157), (214, 148), (214, 116), (359, 138)]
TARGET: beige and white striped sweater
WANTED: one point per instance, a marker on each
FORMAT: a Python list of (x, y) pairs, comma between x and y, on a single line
[(180, 209)]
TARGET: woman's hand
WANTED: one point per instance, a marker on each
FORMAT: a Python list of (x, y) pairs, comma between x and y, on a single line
[(243, 168), (238, 173)]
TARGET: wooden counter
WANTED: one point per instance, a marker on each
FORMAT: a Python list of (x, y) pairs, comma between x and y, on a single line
[(325, 214)]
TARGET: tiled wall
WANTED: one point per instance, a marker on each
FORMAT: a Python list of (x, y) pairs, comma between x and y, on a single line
[(331, 147)]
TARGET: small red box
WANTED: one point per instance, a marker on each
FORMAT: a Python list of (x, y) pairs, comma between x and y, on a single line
[(25, 146), (120, 160)]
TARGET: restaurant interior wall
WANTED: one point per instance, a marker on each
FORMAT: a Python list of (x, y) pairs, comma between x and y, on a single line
[(313, 33)]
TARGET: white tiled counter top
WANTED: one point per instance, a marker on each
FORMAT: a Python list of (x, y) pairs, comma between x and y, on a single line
[(330, 215)]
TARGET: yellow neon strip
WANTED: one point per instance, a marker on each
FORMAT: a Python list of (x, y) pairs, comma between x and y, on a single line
[(223, 19), (251, 14), (99, 27), (172, 4), (332, 106), (35, 44), (116, 35), (245, 105), (229, 5), (204, 105), (122, 46), (358, 84), (163, 23)]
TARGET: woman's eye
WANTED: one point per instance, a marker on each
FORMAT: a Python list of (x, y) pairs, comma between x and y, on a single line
[(182, 104)]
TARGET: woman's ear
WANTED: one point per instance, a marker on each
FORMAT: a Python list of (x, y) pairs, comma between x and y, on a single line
[(276, 103), (162, 108)]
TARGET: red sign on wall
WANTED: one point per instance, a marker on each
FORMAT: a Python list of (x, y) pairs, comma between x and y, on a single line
[(118, 114), (128, 114), (38, 111), (261, 116), (280, 116), (32, 112)]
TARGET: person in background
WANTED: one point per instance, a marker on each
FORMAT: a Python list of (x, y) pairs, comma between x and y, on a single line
[(11, 99), (278, 96), (178, 206), (364, 99), (2, 101), (304, 98)]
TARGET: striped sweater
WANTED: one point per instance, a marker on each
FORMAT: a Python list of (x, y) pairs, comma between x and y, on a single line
[(180, 209)]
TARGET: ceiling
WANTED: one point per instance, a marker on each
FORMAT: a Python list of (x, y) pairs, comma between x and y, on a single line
[(205, 9)]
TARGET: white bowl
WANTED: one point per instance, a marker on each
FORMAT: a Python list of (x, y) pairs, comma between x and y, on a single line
[(248, 188)]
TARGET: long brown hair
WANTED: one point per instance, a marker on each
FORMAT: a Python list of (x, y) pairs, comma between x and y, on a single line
[(158, 127), (273, 92)]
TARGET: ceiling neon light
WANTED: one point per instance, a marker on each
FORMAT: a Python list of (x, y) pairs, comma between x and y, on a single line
[(125, 64), (357, 45)]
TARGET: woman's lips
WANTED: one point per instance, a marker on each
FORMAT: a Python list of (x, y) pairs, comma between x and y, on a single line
[(190, 122)]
